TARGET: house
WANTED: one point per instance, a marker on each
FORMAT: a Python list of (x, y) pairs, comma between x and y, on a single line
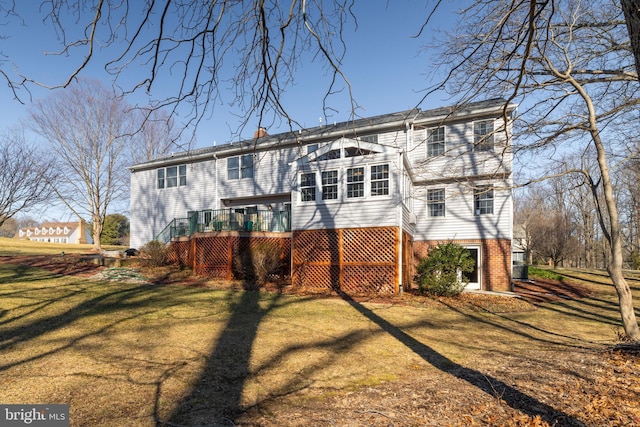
[(57, 232), (354, 204)]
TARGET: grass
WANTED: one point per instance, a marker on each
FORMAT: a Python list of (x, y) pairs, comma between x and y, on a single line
[(544, 273), (13, 247), (133, 354)]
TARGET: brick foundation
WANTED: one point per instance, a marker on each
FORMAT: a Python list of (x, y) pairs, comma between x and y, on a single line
[(496, 260)]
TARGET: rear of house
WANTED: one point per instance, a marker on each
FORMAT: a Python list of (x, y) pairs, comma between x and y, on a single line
[(356, 203)]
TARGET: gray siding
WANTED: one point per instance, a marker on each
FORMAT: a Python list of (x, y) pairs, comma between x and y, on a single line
[(368, 211), (460, 221)]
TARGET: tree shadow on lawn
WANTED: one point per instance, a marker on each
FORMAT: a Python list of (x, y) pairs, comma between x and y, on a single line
[(492, 386), (131, 302), (216, 396)]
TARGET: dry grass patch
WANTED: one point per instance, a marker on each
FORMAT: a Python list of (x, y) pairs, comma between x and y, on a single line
[(142, 354)]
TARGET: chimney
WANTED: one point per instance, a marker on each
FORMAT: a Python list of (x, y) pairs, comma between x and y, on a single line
[(82, 227), (260, 133)]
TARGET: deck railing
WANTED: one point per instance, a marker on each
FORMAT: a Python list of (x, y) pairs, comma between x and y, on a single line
[(227, 220)]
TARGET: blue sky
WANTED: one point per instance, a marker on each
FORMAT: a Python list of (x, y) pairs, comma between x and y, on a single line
[(384, 64)]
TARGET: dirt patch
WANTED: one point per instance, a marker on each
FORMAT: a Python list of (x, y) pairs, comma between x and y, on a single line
[(68, 265)]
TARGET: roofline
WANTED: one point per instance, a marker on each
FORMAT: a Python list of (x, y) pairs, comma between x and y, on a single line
[(323, 133)]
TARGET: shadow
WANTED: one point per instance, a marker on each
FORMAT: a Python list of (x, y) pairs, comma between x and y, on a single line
[(488, 384), (217, 395)]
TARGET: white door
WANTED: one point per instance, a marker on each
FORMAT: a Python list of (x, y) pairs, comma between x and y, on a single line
[(474, 276)]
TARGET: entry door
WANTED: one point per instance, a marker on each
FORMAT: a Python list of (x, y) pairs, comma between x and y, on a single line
[(474, 276)]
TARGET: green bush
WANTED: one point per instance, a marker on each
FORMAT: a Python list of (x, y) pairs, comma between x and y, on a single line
[(154, 254), (442, 271)]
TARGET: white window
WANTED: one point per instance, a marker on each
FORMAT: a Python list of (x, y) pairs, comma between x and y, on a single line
[(172, 176), (329, 185), (436, 202), (435, 142), (329, 155), (380, 180), (308, 187), (483, 200), (311, 148), (355, 182), (161, 178), (233, 168), (369, 138), (483, 135), (240, 167)]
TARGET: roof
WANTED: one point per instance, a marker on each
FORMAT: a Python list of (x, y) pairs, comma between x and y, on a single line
[(352, 129)]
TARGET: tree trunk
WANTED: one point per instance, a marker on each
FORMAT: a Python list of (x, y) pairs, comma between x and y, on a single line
[(631, 9), (614, 267)]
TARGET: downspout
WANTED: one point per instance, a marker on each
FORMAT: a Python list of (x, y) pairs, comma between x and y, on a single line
[(399, 216), (215, 181), (400, 213)]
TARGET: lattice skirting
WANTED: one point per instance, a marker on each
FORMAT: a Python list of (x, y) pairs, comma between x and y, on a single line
[(350, 260), (218, 256)]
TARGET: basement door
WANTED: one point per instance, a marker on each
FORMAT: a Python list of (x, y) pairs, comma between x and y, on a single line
[(474, 276)]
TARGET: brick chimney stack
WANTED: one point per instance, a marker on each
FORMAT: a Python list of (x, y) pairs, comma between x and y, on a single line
[(83, 231), (260, 133)]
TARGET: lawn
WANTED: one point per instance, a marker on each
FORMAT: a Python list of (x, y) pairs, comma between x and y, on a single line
[(144, 354)]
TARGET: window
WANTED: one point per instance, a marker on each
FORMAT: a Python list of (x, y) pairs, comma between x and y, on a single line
[(182, 175), (369, 138), (307, 187), (240, 167), (355, 183), (435, 142), (435, 202), (247, 166), (483, 135), (329, 185), (379, 180), (160, 178), (329, 155), (356, 151), (483, 200), (311, 148), (172, 176)]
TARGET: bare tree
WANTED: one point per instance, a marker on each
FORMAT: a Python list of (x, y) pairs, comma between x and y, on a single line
[(571, 67), (87, 128), (25, 175), (155, 137), (204, 48)]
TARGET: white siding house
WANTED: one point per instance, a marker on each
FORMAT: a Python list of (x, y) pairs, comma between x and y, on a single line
[(410, 179)]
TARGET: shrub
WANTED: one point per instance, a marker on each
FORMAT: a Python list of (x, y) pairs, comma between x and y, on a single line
[(154, 254), (442, 271), (257, 263)]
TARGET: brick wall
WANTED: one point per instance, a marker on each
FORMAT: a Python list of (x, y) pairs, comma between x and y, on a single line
[(496, 260)]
